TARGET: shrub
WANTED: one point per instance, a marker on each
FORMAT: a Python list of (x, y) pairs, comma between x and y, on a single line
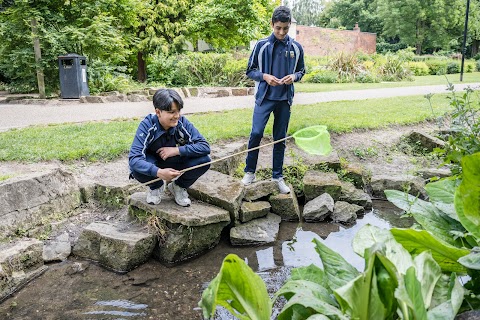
[(437, 67), (162, 69), (367, 77), (478, 65), (104, 77), (453, 67), (347, 66), (233, 73), (200, 69), (418, 68), (324, 76), (469, 66), (394, 69)]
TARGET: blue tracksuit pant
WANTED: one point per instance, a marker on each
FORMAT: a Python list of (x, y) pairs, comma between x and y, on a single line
[(178, 163), (261, 114)]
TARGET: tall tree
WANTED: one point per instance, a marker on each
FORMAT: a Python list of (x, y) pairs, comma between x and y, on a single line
[(306, 12), (423, 24), (162, 28), (345, 13)]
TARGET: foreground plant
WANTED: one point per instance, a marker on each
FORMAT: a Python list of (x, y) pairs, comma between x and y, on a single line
[(449, 224), (393, 285)]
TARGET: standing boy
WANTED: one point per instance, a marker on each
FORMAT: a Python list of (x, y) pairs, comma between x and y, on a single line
[(166, 143), (275, 63)]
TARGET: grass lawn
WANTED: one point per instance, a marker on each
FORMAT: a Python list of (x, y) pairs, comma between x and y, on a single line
[(418, 81), (104, 141)]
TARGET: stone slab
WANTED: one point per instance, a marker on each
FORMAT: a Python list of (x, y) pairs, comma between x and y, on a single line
[(256, 232)]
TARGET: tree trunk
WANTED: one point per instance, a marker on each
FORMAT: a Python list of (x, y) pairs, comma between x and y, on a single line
[(475, 47), (142, 68), (38, 60)]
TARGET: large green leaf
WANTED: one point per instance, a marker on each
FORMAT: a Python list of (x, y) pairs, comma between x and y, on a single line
[(360, 298), (428, 273), (427, 215), (238, 289), (409, 293), (471, 260), (312, 304), (467, 196), (368, 235), (441, 194), (337, 270), (417, 241), (446, 299), (311, 273), (292, 287)]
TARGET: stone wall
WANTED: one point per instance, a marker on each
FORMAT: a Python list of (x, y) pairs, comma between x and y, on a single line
[(324, 42)]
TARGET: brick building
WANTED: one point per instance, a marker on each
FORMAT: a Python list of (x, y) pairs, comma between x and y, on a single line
[(318, 41)]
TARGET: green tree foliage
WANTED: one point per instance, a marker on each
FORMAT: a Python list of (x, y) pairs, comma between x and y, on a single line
[(345, 13), (227, 23), (423, 24), (306, 12), (162, 28), (96, 29)]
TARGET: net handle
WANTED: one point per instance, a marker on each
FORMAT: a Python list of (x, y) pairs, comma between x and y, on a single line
[(211, 162)]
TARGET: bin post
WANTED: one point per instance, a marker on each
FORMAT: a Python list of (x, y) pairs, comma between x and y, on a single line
[(73, 76)]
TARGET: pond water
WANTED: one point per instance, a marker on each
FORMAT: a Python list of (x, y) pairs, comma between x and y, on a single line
[(79, 289)]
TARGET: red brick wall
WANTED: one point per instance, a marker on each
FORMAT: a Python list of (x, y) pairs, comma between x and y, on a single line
[(325, 42)]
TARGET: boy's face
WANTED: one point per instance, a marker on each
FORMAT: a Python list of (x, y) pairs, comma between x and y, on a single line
[(168, 119), (280, 29)]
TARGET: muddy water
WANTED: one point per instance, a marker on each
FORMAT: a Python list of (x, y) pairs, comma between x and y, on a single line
[(79, 289)]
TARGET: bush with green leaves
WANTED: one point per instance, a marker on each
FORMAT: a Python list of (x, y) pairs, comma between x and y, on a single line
[(464, 125), (105, 77), (162, 69), (453, 67), (394, 69), (418, 68), (436, 66)]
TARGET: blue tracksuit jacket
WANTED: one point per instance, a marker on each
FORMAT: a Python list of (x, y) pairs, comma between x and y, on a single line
[(260, 62), (185, 136)]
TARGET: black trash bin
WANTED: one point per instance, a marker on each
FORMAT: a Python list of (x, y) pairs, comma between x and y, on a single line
[(73, 76)]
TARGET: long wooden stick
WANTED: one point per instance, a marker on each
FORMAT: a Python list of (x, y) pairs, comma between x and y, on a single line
[(213, 161)]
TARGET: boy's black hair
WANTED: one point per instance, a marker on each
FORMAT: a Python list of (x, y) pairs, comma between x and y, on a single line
[(164, 98), (282, 14)]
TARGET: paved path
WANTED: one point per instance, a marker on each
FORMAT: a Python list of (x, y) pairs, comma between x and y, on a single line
[(20, 115)]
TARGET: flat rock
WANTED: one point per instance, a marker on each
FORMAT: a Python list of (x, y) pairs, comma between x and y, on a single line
[(286, 206), (316, 183), (117, 246), (57, 249), (256, 232), (414, 185), (345, 212), (198, 214), (253, 210), (227, 151), (32, 199), (356, 196), (220, 190), (319, 208), (260, 189), (20, 262), (183, 232)]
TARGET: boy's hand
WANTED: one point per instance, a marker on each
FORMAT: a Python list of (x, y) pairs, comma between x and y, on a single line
[(272, 80), (168, 174), (167, 152), (288, 79)]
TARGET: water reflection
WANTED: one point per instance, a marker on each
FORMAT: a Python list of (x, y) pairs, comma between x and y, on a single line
[(120, 304), (301, 250)]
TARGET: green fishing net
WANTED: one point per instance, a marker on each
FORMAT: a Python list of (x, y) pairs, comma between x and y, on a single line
[(313, 140)]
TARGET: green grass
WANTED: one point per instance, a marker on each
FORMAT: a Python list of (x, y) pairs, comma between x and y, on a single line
[(418, 81), (104, 141)]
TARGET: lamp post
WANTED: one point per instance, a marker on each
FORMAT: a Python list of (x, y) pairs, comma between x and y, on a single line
[(464, 40)]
